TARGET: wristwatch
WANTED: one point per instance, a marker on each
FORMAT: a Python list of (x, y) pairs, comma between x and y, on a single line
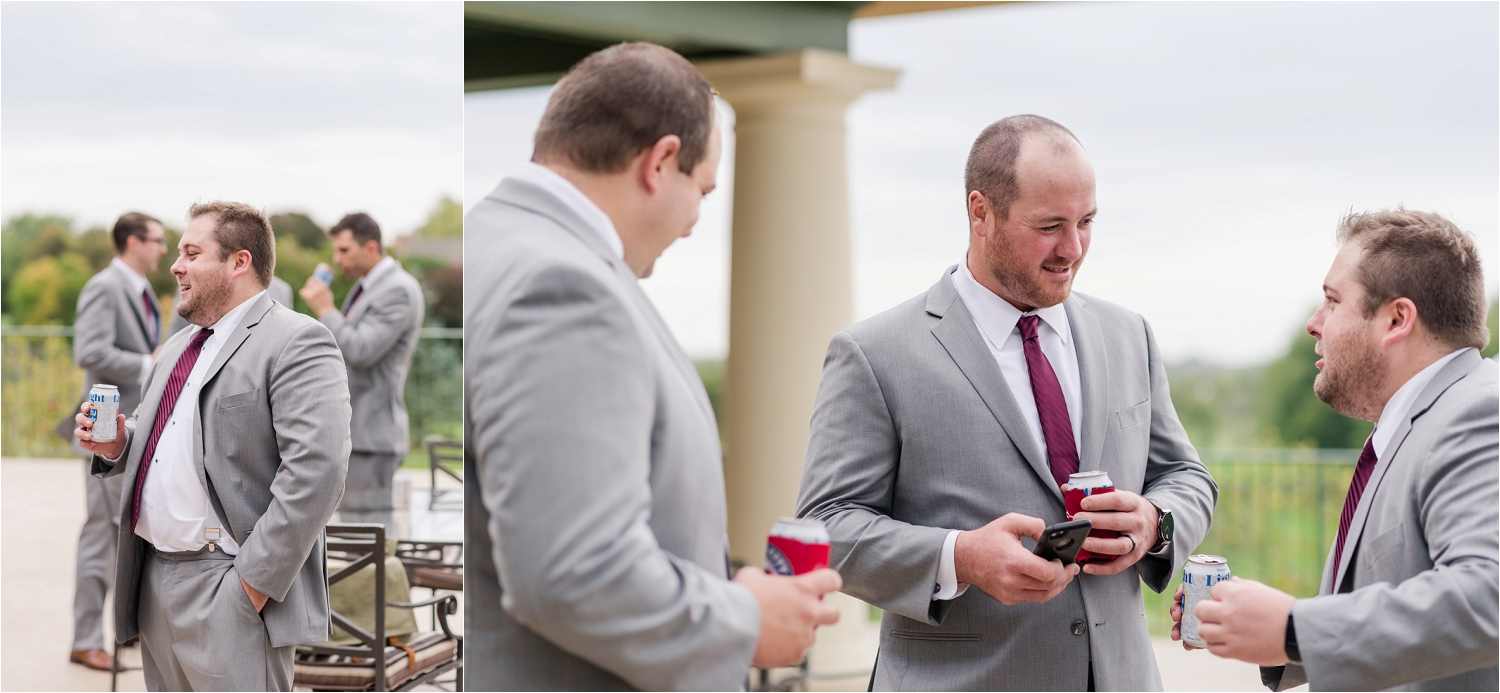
[(1293, 654), (1163, 531)]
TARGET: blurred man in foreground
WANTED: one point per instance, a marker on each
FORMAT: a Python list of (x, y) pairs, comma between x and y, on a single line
[(233, 462), (1409, 593), (945, 427), (597, 551), (116, 330), (377, 330)]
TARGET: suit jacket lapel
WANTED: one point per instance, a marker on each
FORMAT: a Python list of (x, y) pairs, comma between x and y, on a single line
[(363, 305), (241, 333), (137, 307), (1093, 375), (151, 400), (1456, 369), (960, 337)]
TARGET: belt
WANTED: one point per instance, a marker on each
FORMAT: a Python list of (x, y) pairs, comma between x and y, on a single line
[(195, 555)]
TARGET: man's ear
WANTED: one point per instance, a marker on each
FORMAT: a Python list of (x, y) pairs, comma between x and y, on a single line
[(660, 161), (243, 263), (1400, 320), (980, 213)]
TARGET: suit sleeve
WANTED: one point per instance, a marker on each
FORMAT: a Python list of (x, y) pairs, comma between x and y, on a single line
[(94, 337), (1175, 479), (1442, 621), (562, 401), (309, 398), (391, 314), (848, 482)]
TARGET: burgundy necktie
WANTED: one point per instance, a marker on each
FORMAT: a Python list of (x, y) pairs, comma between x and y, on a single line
[(353, 297), (1051, 408), (1362, 472), (152, 321), (175, 382)]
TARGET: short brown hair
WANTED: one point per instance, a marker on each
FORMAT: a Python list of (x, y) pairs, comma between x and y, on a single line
[(1428, 259), (238, 226), (359, 225), (622, 100), (991, 168), (131, 224)]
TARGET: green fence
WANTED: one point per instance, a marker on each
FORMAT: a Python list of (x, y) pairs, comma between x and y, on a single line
[(41, 386), (1277, 515)]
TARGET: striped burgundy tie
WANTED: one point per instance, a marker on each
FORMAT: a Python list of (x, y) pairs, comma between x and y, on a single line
[(175, 382), (1362, 472), (1051, 408), (153, 320)]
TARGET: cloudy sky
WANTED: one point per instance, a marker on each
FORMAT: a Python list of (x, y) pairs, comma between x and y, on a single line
[(323, 108), (1228, 140)]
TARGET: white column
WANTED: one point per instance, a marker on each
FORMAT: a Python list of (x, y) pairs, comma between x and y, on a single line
[(790, 276)]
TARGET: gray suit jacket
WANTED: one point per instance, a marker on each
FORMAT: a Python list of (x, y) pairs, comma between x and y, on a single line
[(1415, 608), (378, 340), (595, 514), (110, 335), (271, 444), (915, 433), (279, 290)]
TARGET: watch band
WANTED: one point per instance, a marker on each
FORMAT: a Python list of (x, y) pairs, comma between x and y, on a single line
[(1293, 654), (1163, 544)]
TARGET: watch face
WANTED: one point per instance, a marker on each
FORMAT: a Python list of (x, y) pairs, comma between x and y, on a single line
[(1164, 527)]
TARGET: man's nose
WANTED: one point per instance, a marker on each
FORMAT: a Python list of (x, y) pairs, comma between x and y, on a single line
[(1070, 245)]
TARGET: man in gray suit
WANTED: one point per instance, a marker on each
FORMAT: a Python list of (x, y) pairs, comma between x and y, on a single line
[(377, 331), (234, 461), (1409, 593), (945, 427), (597, 555), (115, 332)]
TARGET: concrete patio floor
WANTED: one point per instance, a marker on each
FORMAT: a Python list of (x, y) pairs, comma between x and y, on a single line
[(43, 510)]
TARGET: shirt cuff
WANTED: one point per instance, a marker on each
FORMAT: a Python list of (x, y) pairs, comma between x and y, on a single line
[(948, 586), (145, 368)]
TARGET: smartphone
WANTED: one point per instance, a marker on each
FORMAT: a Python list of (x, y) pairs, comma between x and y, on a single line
[(1062, 540)]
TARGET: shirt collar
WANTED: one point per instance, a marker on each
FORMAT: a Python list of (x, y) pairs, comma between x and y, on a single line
[(380, 268), (137, 281), (996, 317), (564, 190), (232, 319), (1400, 404)]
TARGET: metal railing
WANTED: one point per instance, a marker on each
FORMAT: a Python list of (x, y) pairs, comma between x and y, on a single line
[(42, 387), (1277, 515)]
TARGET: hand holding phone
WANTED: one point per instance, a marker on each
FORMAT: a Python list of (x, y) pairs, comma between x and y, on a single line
[(1062, 541)]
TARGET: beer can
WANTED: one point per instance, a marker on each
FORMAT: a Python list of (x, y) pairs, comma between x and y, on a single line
[(1199, 576), (1080, 486), (323, 273), (106, 401), (796, 546)]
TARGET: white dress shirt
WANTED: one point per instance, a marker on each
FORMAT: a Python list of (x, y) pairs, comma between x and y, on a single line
[(1400, 404), (998, 322), (563, 189), (385, 265), (176, 514), (139, 285)]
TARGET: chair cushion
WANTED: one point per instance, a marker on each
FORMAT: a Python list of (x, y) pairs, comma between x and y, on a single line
[(345, 673), (438, 578), (354, 597)]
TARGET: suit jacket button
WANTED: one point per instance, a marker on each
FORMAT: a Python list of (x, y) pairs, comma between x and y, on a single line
[(1078, 627)]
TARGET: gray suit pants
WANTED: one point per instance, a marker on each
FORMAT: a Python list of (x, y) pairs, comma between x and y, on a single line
[(95, 575), (199, 631), (367, 491)]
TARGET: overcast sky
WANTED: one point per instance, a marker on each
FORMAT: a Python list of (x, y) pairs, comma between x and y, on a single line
[(1228, 140), (324, 108)]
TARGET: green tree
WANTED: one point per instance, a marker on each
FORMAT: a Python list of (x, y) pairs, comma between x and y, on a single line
[(301, 227), (1295, 415), (1493, 321), (445, 221), (45, 291), (16, 246)]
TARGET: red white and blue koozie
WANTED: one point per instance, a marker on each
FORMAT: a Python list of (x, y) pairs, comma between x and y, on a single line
[(796, 547)]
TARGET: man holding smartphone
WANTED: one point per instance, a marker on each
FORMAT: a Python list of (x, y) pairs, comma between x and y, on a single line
[(945, 427)]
